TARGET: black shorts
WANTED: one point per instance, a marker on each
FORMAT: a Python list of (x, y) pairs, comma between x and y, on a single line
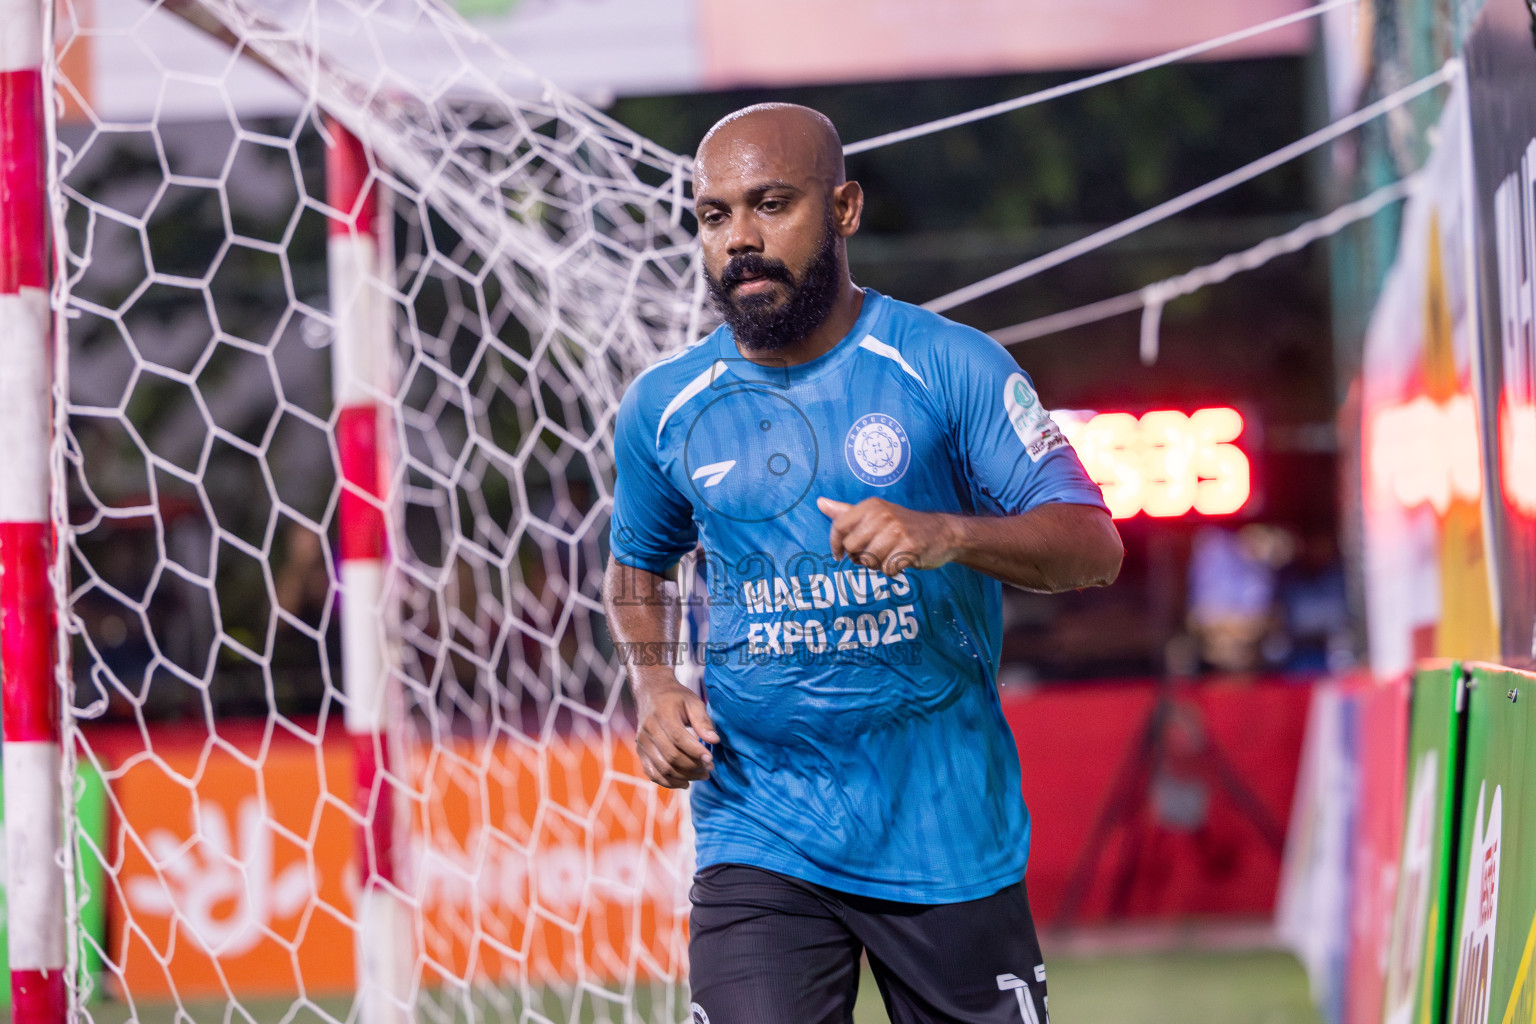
[(768, 949)]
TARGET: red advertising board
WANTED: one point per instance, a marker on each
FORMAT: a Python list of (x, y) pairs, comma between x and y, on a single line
[(1382, 747), (1198, 825)]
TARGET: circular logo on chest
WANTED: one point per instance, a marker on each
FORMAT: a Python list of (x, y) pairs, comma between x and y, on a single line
[(877, 450)]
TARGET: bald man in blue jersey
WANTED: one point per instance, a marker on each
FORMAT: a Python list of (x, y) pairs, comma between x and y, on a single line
[(862, 476)]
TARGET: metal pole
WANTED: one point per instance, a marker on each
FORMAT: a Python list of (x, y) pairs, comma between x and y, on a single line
[(29, 703), (361, 355)]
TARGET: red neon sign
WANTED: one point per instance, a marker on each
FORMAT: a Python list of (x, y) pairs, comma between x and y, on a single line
[(1425, 452), (1517, 455), (1164, 463)]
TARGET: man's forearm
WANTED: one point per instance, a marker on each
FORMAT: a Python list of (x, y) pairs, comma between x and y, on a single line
[(672, 722), (1050, 548), (643, 613)]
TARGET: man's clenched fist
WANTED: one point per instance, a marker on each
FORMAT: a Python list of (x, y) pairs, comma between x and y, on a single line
[(886, 537), (674, 726)]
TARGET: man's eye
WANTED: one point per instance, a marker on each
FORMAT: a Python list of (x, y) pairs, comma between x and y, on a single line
[(711, 217), (771, 205)]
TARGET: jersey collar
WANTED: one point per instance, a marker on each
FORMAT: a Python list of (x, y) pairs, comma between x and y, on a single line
[(786, 376)]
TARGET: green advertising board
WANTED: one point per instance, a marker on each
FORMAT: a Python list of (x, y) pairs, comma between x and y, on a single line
[(1491, 970), (1420, 919), (91, 812)]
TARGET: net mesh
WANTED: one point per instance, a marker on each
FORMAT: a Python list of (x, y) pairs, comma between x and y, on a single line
[(541, 255)]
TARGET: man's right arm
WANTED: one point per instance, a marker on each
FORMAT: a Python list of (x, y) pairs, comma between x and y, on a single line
[(643, 613)]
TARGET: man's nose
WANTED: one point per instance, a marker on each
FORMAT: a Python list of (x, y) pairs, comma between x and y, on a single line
[(744, 237)]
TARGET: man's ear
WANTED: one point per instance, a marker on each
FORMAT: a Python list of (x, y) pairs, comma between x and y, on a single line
[(847, 207)]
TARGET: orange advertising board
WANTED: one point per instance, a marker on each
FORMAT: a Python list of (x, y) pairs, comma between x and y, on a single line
[(233, 867), (559, 859), (547, 862)]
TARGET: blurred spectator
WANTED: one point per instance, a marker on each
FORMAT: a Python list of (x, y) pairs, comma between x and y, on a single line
[(301, 583), (1314, 611), (1232, 593)]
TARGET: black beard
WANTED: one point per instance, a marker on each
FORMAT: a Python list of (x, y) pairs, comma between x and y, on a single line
[(758, 325)]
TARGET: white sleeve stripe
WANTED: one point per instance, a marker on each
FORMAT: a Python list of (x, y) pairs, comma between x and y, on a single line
[(696, 385), (880, 348)]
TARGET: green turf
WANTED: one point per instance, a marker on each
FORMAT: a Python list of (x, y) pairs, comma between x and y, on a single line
[(1162, 988), (1140, 988)]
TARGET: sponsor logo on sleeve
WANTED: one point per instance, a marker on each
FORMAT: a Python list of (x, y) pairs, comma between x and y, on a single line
[(1031, 422)]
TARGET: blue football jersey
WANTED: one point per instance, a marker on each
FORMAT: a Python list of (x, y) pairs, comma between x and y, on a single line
[(862, 743)]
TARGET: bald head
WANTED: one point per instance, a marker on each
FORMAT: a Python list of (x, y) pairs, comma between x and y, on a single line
[(796, 140), (775, 210)]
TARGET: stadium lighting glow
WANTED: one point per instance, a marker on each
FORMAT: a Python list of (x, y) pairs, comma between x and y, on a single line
[(1517, 456), (1426, 452), (1165, 463)]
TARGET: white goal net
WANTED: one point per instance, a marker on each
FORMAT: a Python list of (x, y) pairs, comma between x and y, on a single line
[(528, 256)]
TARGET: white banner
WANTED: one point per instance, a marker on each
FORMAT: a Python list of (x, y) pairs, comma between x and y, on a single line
[(599, 49)]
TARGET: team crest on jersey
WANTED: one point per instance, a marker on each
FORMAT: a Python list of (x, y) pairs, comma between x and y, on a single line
[(699, 1016), (1031, 422), (878, 450)]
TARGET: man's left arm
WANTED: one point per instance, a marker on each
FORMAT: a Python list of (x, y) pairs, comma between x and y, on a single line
[(1052, 547), (1039, 521)]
